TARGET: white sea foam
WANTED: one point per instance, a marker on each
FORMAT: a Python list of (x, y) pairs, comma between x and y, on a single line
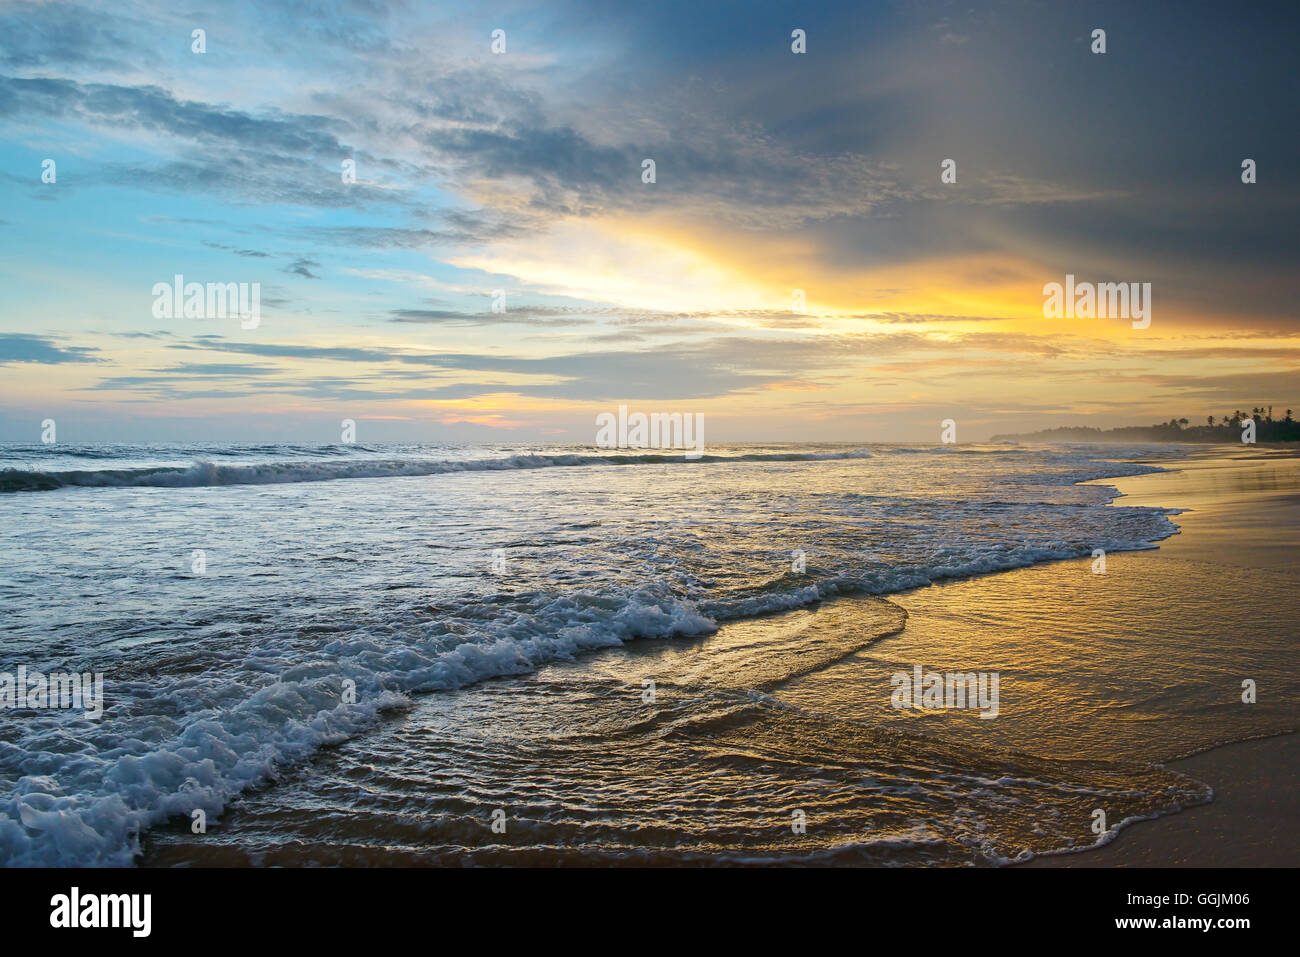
[(255, 682), (207, 473)]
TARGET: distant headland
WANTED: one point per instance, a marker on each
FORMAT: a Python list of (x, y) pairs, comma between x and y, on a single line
[(1228, 428)]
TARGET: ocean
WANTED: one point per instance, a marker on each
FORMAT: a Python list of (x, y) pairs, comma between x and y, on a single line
[(494, 654)]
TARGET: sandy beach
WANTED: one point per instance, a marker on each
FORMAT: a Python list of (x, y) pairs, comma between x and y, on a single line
[(1243, 512), (1141, 665), (1255, 802)]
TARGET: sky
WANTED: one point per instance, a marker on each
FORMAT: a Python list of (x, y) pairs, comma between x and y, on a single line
[(798, 270)]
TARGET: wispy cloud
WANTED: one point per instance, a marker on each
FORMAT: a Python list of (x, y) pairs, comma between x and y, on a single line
[(16, 347)]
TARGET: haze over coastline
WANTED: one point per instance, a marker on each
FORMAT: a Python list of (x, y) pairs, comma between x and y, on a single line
[(1237, 428)]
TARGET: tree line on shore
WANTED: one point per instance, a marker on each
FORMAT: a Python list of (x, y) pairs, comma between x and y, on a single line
[(1225, 428)]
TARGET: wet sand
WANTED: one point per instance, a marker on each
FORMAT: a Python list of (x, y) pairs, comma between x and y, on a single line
[(1142, 664), (1245, 511), (1250, 823)]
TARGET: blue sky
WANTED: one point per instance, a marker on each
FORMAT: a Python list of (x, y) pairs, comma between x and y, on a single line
[(521, 172)]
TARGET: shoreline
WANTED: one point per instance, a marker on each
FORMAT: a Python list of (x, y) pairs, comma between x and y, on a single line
[(1253, 800), (1254, 780), (1133, 666), (838, 689)]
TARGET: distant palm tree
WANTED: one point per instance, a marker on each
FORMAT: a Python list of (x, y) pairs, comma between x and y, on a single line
[(1209, 420), (1288, 415)]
